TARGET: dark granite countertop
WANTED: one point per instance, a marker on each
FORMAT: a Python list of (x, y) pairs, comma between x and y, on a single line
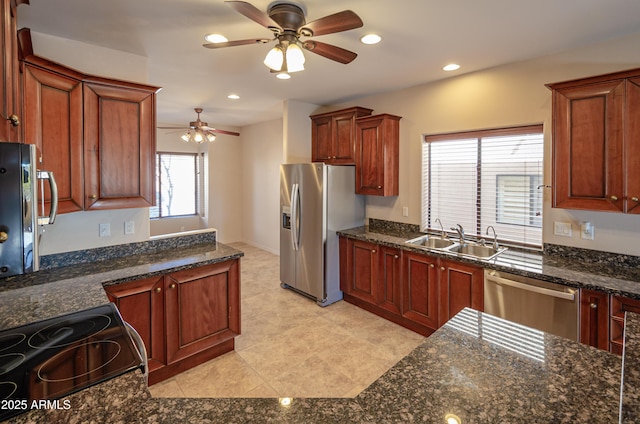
[(58, 291), (476, 367), (567, 270)]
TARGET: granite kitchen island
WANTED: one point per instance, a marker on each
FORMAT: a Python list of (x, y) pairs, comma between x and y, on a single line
[(478, 368)]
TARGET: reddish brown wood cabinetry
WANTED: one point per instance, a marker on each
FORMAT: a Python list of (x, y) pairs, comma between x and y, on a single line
[(461, 285), (362, 268), (119, 145), (10, 95), (390, 280), (377, 155), (620, 305), (595, 149), (420, 289), (333, 136), (594, 318), (184, 318)]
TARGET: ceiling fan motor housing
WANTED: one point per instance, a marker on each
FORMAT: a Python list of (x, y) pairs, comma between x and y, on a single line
[(289, 16)]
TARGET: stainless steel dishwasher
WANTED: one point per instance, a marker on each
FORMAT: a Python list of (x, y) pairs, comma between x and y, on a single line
[(549, 307)]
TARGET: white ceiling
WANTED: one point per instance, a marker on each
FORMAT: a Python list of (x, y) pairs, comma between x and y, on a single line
[(418, 38)]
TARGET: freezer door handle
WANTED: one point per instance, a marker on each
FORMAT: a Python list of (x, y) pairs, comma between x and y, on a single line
[(295, 216)]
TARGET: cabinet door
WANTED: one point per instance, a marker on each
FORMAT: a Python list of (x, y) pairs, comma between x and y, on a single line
[(321, 142), (420, 289), (202, 308), (461, 285), (119, 147), (632, 145), (141, 304), (588, 161), (377, 150), (53, 122), (620, 305), (9, 86), (343, 136), (594, 318), (389, 280), (362, 268)]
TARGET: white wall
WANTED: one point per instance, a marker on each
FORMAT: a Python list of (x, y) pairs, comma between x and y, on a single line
[(508, 95), (79, 230), (297, 131), (261, 158)]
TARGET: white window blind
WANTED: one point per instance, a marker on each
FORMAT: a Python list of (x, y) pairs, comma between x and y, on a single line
[(485, 178), (178, 185)]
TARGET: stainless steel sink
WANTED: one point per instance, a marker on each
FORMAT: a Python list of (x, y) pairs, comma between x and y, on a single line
[(431, 242), (477, 250)]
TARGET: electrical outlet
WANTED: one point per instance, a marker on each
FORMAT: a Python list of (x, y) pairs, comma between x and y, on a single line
[(405, 211), (105, 230), (129, 227)]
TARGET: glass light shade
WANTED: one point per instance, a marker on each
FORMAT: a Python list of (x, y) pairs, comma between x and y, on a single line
[(186, 136), (283, 75), (198, 137), (275, 58), (211, 137), (295, 58)]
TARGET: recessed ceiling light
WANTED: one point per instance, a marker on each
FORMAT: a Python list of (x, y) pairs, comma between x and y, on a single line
[(233, 96), (370, 39), (283, 75), (215, 38), (451, 67)]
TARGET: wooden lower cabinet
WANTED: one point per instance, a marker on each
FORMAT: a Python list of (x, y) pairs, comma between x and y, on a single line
[(620, 305), (461, 285), (184, 318), (594, 318), (362, 265), (390, 280), (420, 290)]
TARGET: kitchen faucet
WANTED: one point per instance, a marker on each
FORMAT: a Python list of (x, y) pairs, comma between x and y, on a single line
[(458, 229), (495, 236), (443, 234)]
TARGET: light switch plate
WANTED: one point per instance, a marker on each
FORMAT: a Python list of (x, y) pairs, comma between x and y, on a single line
[(105, 230), (562, 229), (129, 227)]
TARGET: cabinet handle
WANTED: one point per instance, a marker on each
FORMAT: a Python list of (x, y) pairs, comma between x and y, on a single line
[(172, 286), (614, 198), (593, 305), (634, 198), (15, 121), (158, 289)]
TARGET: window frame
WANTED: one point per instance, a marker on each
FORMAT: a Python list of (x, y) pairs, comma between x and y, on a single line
[(427, 220), (198, 159)]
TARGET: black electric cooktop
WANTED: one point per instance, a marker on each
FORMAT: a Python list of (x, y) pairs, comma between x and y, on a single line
[(56, 357)]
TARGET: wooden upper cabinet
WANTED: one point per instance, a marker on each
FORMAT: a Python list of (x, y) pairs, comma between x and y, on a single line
[(53, 122), (595, 149), (10, 96), (119, 146), (333, 135), (377, 155)]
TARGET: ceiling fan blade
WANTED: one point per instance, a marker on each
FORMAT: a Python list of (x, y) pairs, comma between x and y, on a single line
[(338, 22), (173, 128), (253, 13), (217, 131), (330, 52), (237, 43)]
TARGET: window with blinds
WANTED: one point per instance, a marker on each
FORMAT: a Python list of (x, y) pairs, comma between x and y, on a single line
[(178, 185), (485, 178)]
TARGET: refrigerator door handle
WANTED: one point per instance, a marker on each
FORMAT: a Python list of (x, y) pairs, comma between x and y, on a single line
[(295, 210), (53, 212)]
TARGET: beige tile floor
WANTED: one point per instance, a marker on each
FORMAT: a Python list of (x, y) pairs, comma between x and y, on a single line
[(292, 347)]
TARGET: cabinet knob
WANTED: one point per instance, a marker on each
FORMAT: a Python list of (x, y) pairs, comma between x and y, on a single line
[(93, 197), (379, 187), (442, 268), (158, 289), (373, 251), (395, 256), (3, 236), (432, 265), (593, 305), (172, 286), (334, 157), (15, 121), (634, 198), (614, 198)]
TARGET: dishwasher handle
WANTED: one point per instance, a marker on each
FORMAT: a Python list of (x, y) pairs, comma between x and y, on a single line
[(532, 288)]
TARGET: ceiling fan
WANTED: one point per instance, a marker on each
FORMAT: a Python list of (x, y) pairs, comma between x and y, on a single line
[(288, 23), (199, 131)]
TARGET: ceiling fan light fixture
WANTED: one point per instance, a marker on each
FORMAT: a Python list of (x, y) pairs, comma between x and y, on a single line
[(295, 58), (197, 137), (211, 138), (275, 58), (283, 75)]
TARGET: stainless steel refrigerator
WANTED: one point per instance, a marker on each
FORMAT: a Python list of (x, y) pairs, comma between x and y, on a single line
[(316, 200)]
